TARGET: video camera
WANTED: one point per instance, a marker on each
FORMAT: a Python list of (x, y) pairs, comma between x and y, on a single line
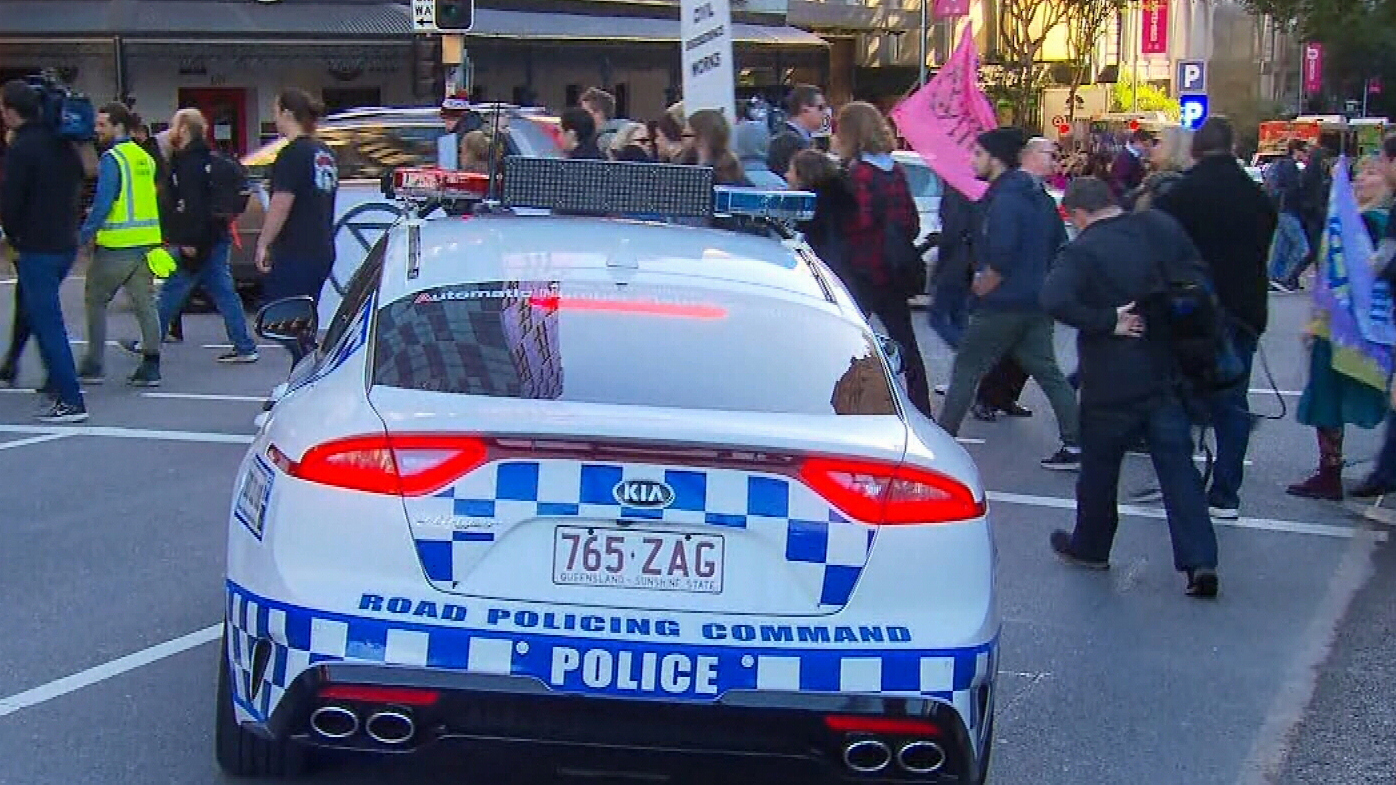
[(70, 114)]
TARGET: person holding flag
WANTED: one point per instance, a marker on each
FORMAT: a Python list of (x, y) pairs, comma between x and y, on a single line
[(1350, 335)]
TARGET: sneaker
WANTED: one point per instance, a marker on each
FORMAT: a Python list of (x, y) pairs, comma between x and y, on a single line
[(239, 357), (1016, 409), (7, 378), (1202, 583), (1066, 459), (1224, 513), (61, 412), (146, 375), (131, 347), (1061, 545), (91, 374), (1140, 447), (984, 412), (1281, 287)]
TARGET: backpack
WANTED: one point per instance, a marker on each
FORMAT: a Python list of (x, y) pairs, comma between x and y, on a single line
[(1184, 312), (229, 186)]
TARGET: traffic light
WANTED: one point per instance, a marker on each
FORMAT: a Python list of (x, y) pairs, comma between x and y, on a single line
[(454, 14)]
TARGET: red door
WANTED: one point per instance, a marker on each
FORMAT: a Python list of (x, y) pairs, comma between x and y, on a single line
[(225, 108)]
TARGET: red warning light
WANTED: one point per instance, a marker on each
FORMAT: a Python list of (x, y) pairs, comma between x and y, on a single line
[(1064, 129), (1134, 125)]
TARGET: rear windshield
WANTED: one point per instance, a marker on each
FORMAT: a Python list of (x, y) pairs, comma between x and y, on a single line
[(631, 345)]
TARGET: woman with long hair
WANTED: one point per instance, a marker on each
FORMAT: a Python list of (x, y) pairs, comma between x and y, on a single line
[(667, 134), (1334, 396), (709, 141), (1170, 156), (885, 221), (811, 170)]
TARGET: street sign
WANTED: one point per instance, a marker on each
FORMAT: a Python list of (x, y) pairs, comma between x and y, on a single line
[(1192, 76), (709, 82), (1194, 111), (424, 16)]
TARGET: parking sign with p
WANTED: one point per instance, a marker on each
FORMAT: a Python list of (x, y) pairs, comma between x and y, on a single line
[(1194, 111), (1192, 76)]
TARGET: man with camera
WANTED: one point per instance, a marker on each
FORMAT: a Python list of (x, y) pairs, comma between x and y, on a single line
[(39, 212)]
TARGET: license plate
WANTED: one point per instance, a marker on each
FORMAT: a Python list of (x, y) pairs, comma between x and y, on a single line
[(251, 507), (636, 559)]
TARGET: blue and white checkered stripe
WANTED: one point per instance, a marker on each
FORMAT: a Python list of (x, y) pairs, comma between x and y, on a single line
[(821, 545), (302, 637)]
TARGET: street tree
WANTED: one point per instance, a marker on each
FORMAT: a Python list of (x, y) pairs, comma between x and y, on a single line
[(1086, 21), (1024, 26)]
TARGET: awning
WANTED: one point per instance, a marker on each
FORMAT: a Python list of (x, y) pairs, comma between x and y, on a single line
[(314, 20)]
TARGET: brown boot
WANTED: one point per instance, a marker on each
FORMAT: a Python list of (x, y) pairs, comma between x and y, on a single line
[(1327, 482)]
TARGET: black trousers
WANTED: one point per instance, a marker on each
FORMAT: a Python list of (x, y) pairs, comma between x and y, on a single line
[(895, 314)]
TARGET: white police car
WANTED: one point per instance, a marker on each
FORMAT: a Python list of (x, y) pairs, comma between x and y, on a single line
[(584, 485)]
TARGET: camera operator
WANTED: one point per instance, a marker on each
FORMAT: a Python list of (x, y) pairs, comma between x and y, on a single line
[(39, 212)]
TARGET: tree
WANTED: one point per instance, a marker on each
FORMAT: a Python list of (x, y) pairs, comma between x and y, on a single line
[(1151, 98), (1085, 23), (1023, 29)]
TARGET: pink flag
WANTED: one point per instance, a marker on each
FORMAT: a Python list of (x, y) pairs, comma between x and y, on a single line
[(942, 119), (946, 9)]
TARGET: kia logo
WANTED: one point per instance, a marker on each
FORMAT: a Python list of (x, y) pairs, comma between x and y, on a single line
[(647, 494)]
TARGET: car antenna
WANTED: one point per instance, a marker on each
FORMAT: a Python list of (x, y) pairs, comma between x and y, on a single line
[(492, 193)]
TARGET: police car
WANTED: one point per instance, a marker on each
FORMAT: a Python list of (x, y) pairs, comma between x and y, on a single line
[(567, 486)]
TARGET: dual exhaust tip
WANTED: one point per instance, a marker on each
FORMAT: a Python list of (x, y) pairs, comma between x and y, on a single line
[(390, 727), (870, 756)]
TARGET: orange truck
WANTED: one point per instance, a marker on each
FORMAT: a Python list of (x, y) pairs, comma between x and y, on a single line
[(1275, 136)]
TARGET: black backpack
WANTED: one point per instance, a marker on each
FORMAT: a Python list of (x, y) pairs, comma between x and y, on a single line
[(1184, 311), (229, 186)]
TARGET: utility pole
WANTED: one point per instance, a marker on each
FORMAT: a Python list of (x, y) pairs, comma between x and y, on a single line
[(925, 24)]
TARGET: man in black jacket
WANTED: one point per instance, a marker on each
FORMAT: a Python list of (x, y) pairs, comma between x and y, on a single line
[(1231, 221), (200, 240), (1128, 383), (39, 213)]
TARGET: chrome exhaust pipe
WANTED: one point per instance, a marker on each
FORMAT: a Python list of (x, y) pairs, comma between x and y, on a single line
[(334, 722), (920, 757), (390, 727), (867, 756)]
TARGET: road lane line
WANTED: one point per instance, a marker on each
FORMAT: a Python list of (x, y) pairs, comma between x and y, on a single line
[(1264, 524), (260, 346), (205, 437), (205, 397), (99, 673), (1285, 393), (47, 437)]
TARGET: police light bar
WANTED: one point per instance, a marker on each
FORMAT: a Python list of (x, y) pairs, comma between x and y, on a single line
[(426, 183), (761, 203), (617, 188)]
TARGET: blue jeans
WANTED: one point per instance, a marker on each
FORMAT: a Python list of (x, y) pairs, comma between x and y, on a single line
[(1231, 419), (949, 313), (40, 275), (217, 279), (1106, 433)]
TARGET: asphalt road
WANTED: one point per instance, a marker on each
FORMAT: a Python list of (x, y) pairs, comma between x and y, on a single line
[(113, 536)]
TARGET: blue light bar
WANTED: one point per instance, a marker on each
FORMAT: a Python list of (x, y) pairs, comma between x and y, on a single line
[(585, 187), (761, 203)]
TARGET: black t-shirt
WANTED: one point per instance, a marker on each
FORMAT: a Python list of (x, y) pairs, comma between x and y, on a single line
[(306, 168)]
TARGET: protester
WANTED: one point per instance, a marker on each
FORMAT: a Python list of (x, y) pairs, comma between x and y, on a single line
[(751, 141), (39, 196), (1127, 170), (807, 113), (125, 224), (601, 105), (631, 143), (1291, 242), (709, 138), (1315, 183), (1382, 479), (948, 312), (1021, 234), (668, 139), (1230, 220), (1099, 285), (1169, 158), (1346, 386), (834, 207), (296, 248), (475, 150), (201, 240), (579, 134), (886, 217)]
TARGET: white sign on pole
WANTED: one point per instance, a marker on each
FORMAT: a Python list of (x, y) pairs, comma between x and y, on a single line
[(424, 16), (1192, 76), (709, 81)]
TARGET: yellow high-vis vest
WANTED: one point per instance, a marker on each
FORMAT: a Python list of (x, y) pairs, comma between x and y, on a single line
[(134, 220)]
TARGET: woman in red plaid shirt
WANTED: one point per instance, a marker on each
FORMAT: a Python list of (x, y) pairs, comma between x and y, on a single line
[(864, 143)]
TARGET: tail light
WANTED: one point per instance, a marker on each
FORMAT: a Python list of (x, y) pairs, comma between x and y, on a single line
[(858, 723), (402, 696), (883, 493), (405, 465)]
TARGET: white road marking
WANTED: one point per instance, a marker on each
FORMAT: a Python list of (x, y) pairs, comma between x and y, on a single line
[(48, 437), (968, 440), (1268, 391), (1265, 524), (60, 687), (204, 437), (205, 397), (261, 347)]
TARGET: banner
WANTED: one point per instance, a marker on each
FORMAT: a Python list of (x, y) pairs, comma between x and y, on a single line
[(1313, 68), (942, 119), (1347, 290), (1153, 31), (709, 82), (946, 9)]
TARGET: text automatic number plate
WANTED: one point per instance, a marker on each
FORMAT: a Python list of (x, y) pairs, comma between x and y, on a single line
[(634, 559), (253, 497)]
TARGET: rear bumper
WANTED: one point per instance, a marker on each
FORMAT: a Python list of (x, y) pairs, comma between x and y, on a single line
[(778, 731)]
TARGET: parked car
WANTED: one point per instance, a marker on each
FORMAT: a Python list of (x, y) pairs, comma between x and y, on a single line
[(368, 144)]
